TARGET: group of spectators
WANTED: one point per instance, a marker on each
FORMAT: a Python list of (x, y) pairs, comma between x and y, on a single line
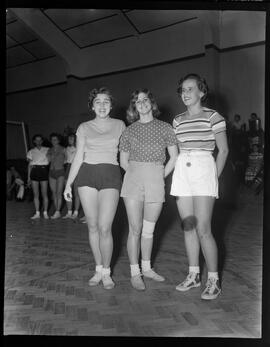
[(246, 148)]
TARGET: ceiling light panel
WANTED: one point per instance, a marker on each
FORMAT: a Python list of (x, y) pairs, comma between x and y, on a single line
[(10, 42), (19, 32), (18, 56), (146, 20), (68, 18), (39, 49), (101, 31)]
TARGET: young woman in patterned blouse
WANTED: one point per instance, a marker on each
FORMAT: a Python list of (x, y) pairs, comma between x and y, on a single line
[(142, 155), (195, 179)]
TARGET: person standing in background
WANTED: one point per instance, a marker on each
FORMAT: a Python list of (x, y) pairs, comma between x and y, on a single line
[(70, 154), (56, 156), (38, 168)]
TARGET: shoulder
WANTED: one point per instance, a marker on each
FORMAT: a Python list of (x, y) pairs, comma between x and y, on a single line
[(211, 113), (177, 119), (163, 124), (119, 123)]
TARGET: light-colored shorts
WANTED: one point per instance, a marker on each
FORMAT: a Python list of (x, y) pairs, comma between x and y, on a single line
[(195, 174), (144, 182)]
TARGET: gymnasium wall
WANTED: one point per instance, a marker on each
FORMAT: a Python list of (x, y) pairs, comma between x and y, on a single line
[(235, 77)]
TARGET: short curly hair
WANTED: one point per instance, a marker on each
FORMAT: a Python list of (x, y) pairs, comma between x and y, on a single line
[(132, 113), (201, 83), (93, 94), (35, 136), (58, 136)]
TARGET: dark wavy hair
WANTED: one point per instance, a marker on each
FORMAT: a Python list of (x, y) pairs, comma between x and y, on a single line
[(35, 136), (57, 136), (74, 136), (132, 113), (93, 94), (201, 83)]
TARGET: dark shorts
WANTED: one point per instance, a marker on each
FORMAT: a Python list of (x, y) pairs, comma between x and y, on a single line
[(56, 173), (39, 173), (99, 176), (67, 169)]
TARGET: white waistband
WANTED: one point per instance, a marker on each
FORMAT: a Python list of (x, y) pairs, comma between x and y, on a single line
[(194, 152)]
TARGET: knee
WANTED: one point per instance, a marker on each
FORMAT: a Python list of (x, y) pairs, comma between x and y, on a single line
[(204, 230), (92, 228), (189, 223), (148, 229), (104, 230), (135, 229)]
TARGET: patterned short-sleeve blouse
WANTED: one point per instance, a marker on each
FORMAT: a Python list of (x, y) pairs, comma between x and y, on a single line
[(147, 142)]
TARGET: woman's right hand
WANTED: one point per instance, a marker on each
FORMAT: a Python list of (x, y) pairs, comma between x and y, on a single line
[(68, 193)]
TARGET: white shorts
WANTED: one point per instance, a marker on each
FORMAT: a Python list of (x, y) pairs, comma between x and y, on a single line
[(195, 174)]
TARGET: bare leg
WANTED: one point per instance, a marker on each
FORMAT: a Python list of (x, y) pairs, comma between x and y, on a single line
[(44, 192), (203, 207), (134, 210), (52, 183), (189, 224), (107, 206), (89, 201), (151, 214), (35, 187), (77, 199), (59, 192)]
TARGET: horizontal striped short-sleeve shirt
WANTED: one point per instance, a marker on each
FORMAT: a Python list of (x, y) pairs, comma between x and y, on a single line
[(198, 133)]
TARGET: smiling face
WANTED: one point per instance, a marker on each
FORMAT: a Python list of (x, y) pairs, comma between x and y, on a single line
[(54, 141), (102, 105), (71, 140), (143, 104), (191, 94), (38, 141)]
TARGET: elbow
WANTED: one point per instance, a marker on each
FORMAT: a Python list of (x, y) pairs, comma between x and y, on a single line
[(224, 152)]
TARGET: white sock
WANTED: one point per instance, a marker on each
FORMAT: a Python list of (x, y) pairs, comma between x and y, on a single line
[(195, 269), (45, 212), (106, 271), (75, 213), (99, 268), (69, 212), (213, 275), (146, 265), (135, 270), (38, 213)]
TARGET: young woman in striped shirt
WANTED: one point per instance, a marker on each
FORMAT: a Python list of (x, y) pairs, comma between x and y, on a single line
[(195, 179)]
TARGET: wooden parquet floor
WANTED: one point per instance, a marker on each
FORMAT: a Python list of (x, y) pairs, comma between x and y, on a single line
[(48, 264)]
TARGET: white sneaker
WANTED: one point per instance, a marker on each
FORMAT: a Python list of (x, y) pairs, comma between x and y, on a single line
[(94, 281), (68, 215), (45, 215), (36, 216), (192, 281), (83, 220), (56, 215), (153, 275), (74, 216), (212, 289), (107, 282)]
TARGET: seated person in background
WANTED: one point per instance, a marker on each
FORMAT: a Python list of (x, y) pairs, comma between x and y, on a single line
[(15, 184), (255, 163)]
